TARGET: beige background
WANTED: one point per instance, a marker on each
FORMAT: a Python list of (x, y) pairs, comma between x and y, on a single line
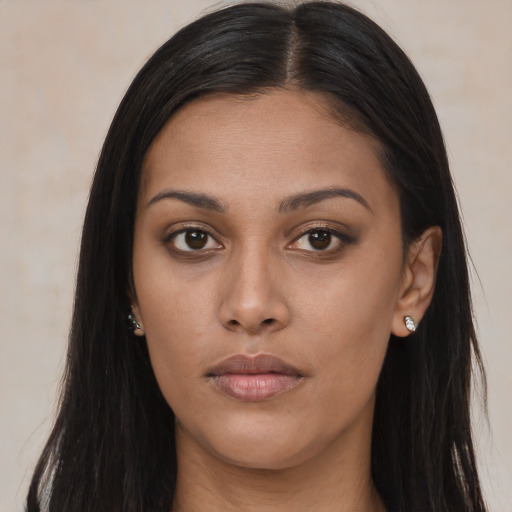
[(64, 67)]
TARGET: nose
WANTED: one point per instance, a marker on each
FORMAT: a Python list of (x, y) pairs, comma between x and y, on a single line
[(251, 301)]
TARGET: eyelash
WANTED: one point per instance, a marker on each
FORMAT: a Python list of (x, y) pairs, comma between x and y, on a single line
[(343, 240), (188, 253)]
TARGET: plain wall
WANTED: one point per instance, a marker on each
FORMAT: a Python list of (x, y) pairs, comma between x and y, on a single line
[(64, 67)]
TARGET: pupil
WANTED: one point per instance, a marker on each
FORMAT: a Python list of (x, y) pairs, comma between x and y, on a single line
[(320, 239), (196, 239)]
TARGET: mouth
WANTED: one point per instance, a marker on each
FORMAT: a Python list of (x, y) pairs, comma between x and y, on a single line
[(254, 378)]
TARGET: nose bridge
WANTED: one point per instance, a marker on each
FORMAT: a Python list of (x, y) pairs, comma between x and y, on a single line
[(251, 300)]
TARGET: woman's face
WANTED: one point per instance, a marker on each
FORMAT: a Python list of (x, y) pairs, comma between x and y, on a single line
[(268, 269)]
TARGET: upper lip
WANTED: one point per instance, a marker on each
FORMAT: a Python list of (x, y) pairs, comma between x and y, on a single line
[(252, 365)]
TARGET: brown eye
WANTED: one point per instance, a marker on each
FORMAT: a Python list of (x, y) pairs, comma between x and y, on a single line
[(320, 240), (196, 239), (190, 240)]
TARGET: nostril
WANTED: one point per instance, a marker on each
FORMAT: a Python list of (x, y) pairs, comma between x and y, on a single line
[(252, 325)]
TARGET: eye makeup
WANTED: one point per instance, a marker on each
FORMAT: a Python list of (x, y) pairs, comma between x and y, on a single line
[(196, 241)]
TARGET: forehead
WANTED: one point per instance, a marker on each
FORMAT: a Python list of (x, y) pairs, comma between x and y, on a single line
[(283, 141)]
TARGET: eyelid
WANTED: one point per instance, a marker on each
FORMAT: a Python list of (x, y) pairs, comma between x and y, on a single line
[(337, 229), (339, 232), (168, 237), (343, 237)]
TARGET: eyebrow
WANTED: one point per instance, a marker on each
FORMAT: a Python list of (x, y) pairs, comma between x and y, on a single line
[(288, 204), (193, 198), (307, 199)]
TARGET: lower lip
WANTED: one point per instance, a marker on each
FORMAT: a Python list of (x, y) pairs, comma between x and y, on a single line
[(255, 387)]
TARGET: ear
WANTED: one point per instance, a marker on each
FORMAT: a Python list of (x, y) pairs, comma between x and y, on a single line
[(135, 316), (418, 280)]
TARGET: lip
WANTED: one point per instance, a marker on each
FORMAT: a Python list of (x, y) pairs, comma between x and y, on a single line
[(254, 378)]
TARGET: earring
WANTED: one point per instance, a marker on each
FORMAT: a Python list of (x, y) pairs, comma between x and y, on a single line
[(134, 326), (410, 323)]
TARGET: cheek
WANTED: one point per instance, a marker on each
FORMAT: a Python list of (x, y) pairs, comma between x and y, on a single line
[(177, 326), (349, 321), (177, 317)]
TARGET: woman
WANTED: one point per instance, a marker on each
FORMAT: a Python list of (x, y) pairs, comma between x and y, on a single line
[(272, 308)]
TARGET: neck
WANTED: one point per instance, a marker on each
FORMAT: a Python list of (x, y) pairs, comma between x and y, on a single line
[(336, 480)]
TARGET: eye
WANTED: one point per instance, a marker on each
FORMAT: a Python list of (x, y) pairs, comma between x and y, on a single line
[(190, 240), (321, 240)]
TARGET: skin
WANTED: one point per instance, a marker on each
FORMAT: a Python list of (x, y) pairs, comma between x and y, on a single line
[(259, 285)]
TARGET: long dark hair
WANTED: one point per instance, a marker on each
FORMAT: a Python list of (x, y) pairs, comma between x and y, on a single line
[(112, 447)]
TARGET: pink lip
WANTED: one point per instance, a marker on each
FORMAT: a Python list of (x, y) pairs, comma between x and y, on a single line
[(254, 378)]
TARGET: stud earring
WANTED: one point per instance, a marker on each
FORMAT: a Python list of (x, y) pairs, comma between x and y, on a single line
[(410, 324), (134, 326)]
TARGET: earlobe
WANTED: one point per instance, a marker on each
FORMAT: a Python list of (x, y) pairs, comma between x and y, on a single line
[(134, 317), (135, 325), (418, 282)]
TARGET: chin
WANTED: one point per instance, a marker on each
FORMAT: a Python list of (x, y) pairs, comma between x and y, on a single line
[(266, 445), (265, 457)]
